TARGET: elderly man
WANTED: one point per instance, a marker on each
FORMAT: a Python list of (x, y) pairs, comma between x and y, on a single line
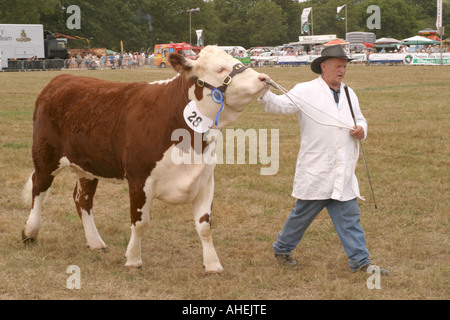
[(325, 171)]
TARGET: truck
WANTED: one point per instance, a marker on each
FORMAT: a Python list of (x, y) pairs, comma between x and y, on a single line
[(359, 40), (24, 42), (162, 52)]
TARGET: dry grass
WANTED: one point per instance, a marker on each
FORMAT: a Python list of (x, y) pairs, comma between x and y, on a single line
[(408, 156)]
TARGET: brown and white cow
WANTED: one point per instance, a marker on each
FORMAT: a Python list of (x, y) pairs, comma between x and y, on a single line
[(115, 130)]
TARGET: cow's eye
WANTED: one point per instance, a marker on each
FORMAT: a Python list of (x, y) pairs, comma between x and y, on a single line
[(220, 70)]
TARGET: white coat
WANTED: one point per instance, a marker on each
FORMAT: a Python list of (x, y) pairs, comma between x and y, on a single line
[(328, 153)]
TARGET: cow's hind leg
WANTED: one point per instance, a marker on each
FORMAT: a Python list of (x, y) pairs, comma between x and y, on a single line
[(140, 200), (38, 185), (84, 195), (202, 217)]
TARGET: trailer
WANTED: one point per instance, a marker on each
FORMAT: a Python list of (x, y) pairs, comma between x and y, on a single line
[(20, 43)]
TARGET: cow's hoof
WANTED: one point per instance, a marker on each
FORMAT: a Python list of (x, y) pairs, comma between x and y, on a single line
[(214, 272), (100, 249), (213, 269), (134, 265), (97, 246), (27, 240)]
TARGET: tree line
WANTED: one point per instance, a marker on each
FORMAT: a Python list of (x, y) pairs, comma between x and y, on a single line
[(141, 24)]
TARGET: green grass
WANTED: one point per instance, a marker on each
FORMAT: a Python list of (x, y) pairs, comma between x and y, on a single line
[(408, 157)]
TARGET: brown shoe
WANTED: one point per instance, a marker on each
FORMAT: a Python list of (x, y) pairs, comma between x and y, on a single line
[(285, 260)]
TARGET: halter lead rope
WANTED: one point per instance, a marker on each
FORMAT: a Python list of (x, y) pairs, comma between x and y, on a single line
[(339, 123)]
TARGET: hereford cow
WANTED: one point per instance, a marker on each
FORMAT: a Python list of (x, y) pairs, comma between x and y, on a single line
[(114, 130)]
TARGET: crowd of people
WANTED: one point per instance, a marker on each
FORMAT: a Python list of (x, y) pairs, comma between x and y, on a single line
[(418, 49), (132, 60)]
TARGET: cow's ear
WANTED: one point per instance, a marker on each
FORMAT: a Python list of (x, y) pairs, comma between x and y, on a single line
[(180, 63)]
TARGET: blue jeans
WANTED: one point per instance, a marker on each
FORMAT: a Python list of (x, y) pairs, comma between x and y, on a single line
[(346, 219)]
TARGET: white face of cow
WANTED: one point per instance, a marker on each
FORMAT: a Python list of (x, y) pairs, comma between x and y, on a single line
[(213, 66)]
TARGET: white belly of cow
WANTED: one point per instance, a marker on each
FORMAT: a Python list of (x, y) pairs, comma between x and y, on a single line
[(178, 183)]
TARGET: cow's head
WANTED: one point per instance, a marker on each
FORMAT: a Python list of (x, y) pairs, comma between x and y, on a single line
[(215, 69)]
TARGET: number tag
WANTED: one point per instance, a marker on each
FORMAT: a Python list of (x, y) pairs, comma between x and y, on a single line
[(196, 120)]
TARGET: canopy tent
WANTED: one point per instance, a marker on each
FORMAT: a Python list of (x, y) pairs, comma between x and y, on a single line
[(387, 43), (427, 31), (335, 42), (419, 40), (430, 34), (387, 40)]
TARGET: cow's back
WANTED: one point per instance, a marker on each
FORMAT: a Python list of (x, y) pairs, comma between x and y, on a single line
[(87, 120), (85, 103)]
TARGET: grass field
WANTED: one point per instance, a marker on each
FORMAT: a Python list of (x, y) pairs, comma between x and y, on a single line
[(407, 151)]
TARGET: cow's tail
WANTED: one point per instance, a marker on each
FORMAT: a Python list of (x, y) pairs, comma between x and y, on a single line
[(27, 192)]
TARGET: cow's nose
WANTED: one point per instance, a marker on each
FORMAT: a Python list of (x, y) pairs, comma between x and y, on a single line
[(263, 77)]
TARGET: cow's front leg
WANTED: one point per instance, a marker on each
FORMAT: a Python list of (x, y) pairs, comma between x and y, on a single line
[(202, 217), (140, 200)]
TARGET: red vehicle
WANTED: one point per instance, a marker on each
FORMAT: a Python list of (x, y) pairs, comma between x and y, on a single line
[(162, 52)]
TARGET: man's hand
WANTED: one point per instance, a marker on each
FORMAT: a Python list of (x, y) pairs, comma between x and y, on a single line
[(358, 132)]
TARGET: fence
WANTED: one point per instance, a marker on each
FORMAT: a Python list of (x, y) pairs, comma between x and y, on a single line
[(257, 61), (374, 58), (19, 65), (86, 64)]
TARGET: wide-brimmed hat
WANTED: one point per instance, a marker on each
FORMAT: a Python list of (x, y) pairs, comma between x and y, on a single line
[(335, 51)]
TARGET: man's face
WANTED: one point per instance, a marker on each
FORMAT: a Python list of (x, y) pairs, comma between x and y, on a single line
[(333, 71)]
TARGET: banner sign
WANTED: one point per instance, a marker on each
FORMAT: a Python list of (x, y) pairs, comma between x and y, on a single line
[(411, 58), (427, 58), (304, 20), (245, 60), (316, 39), (405, 58), (199, 37), (439, 14), (386, 57), (304, 59), (358, 57)]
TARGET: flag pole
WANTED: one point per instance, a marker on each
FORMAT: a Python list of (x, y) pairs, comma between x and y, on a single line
[(339, 9), (346, 20), (439, 23)]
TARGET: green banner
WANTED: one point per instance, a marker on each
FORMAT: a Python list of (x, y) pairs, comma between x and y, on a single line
[(427, 59), (245, 60)]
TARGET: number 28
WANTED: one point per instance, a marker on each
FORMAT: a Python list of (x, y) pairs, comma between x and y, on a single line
[(194, 119)]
